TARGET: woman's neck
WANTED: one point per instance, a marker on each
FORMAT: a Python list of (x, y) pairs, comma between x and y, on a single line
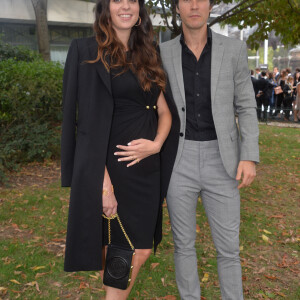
[(123, 36)]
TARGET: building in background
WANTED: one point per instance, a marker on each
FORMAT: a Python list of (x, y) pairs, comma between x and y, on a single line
[(67, 19)]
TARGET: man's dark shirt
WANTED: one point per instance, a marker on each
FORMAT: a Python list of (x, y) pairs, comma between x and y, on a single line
[(196, 76)]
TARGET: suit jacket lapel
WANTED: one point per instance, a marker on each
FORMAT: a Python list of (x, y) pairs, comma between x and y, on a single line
[(216, 61), (177, 61), (104, 74), (101, 70)]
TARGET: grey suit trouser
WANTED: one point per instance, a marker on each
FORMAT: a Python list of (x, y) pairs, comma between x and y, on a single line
[(200, 171)]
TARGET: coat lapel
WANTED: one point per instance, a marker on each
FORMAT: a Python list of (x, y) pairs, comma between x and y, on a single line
[(216, 61), (177, 61), (104, 74), (101, 70)]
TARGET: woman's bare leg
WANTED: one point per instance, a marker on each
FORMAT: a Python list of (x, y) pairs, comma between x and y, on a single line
[(140, 257)]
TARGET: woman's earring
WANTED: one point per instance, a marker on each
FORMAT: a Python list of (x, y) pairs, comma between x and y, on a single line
[(139, 22)]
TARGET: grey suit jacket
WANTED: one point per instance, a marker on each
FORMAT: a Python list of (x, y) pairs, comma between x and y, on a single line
[(231, 93)]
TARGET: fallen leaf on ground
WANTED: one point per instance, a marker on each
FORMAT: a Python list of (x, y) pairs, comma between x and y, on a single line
[(267, 232), (37, 268), (265, 238), (14, 281), (271, 277), (281, 294), (3, 289), (83, 285), (277, 216), (153, 266), (34, 283), (205, 277)]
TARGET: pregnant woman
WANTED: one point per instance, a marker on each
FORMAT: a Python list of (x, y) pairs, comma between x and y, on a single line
[(119, 138)]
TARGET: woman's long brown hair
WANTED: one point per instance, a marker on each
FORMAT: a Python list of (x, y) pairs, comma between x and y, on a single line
[(144, 59)]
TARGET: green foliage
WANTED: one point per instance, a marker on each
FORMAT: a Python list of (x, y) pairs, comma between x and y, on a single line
[(252, 63), (30, 111), (280, 16), (17, 53)]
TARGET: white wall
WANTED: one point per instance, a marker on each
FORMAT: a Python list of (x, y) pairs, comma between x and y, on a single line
[(70, 12), (60, 12), (20, 10)]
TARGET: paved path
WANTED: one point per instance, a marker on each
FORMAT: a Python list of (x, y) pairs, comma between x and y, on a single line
[(281, 124)]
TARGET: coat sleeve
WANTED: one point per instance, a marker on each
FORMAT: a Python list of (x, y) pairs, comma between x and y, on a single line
[(69, 104), (245, 104)]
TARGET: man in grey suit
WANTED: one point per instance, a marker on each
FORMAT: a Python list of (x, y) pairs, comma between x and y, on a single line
[(210, 81)]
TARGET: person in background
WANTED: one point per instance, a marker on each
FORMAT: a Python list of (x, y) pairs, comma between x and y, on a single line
[(289, 71), (257, 75), (263, 97), (281, 81), (296, 93), (288, 97), (276, 73), (296, 76), (272, 97), (297, 103)]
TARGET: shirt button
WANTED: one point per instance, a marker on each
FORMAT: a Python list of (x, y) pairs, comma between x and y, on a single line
[(183, 109), (198, 95), (197, 73), (199, 115), (181, 133)]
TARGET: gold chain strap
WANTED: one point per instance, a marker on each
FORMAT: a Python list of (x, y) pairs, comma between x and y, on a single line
[(109, 233)]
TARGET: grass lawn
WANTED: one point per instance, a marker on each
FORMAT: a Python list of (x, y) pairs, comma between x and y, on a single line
[(33, 222)]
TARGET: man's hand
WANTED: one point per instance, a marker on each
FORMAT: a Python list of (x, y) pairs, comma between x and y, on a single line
[(247, 171)]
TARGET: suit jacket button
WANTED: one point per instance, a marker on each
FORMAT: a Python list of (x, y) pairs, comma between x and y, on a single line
[(183, 109), (181, 133)]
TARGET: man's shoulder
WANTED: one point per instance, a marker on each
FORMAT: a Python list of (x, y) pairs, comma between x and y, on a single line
[(170, 43), (229, 42)]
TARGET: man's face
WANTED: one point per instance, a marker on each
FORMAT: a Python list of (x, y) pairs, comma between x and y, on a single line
[(193, 13), (275, 70)]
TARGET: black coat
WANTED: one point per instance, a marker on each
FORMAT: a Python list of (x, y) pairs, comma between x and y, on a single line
[(264, 86), (87, 116)]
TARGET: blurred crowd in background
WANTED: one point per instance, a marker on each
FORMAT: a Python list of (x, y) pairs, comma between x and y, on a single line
[(277, 94)]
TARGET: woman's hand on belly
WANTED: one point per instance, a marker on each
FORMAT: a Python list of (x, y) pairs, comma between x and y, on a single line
[(137, 150)]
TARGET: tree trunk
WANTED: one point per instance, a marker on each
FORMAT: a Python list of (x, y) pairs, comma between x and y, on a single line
[(40, 9)]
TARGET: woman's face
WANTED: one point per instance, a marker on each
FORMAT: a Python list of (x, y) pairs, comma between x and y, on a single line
[(124, 14)]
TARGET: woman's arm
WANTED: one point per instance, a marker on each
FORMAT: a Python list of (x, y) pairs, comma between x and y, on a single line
[(109, 201), (142, 148), (164, 121)]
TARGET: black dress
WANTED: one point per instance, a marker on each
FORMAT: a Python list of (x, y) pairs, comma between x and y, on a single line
[(137, 188)]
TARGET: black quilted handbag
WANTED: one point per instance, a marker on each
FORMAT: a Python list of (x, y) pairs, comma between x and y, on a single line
[(118, 261)]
